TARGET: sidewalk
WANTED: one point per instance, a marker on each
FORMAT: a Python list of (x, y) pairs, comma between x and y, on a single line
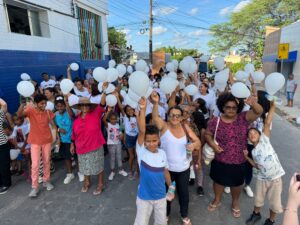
[(289, 113)]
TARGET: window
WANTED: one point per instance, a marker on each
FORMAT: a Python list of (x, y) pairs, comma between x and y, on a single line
[(90, 34), (24, 21)]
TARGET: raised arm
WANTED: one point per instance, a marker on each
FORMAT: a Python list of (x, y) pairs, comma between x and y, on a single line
[(268, 120), (69, 73), (103, 98), (172, 100), (196, 143), (104, 118), (161, 125), (256, 109), (142, 121), (69, 110), (3, 105)]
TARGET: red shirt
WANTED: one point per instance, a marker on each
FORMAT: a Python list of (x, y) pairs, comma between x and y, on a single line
[(87, 132), (40, 132)]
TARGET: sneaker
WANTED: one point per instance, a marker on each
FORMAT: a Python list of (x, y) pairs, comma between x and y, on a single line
[(248, 191), (69, 178), (123, 173), (40, 180), (48, 186), (269, 222), (111, 176), (253, 218), (200, 191), (33, 193), (3, 190), (227, 190), (80, 177)]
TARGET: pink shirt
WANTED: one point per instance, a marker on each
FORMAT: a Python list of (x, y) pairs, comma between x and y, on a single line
[(232, 137), (87, 132)]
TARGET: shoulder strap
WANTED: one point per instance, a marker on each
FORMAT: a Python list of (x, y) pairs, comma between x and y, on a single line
[(215, 135), (186, 132)]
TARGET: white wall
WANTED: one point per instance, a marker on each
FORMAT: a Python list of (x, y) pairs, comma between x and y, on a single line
[(63, 29), (290, 34)]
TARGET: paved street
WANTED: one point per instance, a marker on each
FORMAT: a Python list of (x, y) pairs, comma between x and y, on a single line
[(66, 205)]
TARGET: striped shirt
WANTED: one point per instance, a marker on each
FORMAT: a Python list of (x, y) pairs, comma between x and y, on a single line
[(3, 137)]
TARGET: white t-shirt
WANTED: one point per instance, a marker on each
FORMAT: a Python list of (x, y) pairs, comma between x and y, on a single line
[(209, 99), (266, 158), (113, 134), (161, 110), (290, 85), (20, 133), (96, 99), (130, 125), (46, 84), (84, 93)]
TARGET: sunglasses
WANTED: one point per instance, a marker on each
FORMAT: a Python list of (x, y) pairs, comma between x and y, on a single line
[(177, 116)]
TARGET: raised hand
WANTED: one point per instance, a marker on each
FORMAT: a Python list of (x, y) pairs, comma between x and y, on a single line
[(155, 97), (143, 103)]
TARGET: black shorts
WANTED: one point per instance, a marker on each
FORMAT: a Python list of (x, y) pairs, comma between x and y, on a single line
[(228, 175), (64, 151)]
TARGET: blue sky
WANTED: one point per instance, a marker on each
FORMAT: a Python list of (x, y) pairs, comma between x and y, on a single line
[(180, 23)]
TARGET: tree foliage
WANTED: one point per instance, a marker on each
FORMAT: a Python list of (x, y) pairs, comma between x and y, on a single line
[(117, 43), (245, 29), (179, 53)]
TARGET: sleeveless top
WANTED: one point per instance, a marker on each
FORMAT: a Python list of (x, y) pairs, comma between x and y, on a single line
[(175, 149)]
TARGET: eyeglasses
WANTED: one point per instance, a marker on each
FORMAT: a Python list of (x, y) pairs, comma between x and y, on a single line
[(227, 107), (177, 116)]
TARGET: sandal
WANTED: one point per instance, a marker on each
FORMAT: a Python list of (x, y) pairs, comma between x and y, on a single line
[(236, 213), (186, 221), (98, 190), (85, 188), (212, 207)]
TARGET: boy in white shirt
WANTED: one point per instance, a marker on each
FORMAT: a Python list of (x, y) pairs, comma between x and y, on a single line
[(291, 87)]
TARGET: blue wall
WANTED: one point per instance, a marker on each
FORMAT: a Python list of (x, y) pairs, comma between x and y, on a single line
[(13, 63)]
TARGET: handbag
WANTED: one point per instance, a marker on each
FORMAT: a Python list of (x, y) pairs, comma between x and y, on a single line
[(208, 152)]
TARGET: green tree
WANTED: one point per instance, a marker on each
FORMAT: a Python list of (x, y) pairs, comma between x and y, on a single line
[(245, 29), (179, 53), (117, 44)]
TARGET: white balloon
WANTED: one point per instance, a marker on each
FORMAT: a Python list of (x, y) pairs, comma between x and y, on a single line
[(189, 59), (49, 106), (129, 69), (204, 58), (192, 67), (298, 120), (219, 63), (66, 86), (130, 102), (258, 76), (168, 85), (14, 153), (170, 67), (175, 63), (241, 75), (111, 63), (74, 66), (133, 95), (73, 100), (149, 92), (110, 89), (121, 69), (274, 82), (25, 76), (221, 79), (172, 75), (140, 65), (147, 69), (191, 89), (111, 100), (100, 74), (25, 88), (240, 90), (100, 88), (184, 66), (112, 74), (249, 68), (139, 82)]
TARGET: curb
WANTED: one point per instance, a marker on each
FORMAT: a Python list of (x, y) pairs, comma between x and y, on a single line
[(289, 118)]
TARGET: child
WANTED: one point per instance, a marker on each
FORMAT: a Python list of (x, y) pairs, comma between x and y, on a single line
[(154, 173), (131, 132), (64, 122), (110, 120), (269, 173), (21, 131), (291, 87)]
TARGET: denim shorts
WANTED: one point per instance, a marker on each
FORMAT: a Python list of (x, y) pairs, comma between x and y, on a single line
[(290, 95), (130, 141)]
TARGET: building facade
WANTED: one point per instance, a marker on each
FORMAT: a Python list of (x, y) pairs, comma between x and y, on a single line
[(45, 36)]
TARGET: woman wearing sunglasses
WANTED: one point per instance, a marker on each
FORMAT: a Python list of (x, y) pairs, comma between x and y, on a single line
[(178, 141)]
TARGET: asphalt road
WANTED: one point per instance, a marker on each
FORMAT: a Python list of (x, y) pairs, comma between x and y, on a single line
[(65, 205)]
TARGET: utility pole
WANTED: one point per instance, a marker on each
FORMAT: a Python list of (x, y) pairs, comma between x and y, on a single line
[(150, 33)]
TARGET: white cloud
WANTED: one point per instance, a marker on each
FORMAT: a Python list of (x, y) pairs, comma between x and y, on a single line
[(225, 11), (193, 11), (241, 5), (128, 37), (163, 11), (159, 30), (198, 33), (125, 31), (157, 43)]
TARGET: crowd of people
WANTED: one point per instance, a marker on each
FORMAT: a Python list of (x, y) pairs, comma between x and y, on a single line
[(162, 140)]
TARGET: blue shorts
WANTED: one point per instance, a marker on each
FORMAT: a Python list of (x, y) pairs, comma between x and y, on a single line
[(290, 95), (130, 141), (20, 157)]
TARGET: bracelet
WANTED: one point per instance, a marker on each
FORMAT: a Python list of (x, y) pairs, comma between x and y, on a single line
[(291, 210)]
